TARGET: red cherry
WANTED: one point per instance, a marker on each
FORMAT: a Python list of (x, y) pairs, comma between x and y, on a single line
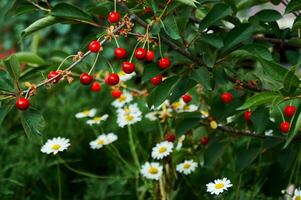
[(95, 86), (53, 74), (94, 46), (170, 137), (85, 78), (120, 53), (186, 98), (128, 67), (113, 17), (284, 127), (247, 116), (22, 103), (150, 55), (289, 111), (156, 80), (164, 63), (226, 97), (112, 79), (140, 53), (116, 93), (147, 10), (204, 140)]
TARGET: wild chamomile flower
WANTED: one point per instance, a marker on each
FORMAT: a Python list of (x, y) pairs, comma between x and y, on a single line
[(55, 145), (162, 150), (100, 141), (152, 170), (86, 113), (111, 137), (186, 167), (97, 119), (218, 186), (125, 77), (297, 194), (152, 116), (189, 108), (128, 115), (126, 97)]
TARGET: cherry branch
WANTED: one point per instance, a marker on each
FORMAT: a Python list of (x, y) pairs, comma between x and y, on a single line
[(74, 64), (188, 54)]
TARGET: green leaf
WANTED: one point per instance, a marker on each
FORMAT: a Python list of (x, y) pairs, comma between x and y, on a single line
[(189, 2), (183, 86), (4, 110), (293, 5), (6, 83), (213, 40), (33, 122), (260, 118), (259, 99), (40, 24), (237, 35), (68, 11), (265, 16), (162, 91), (202, 76), (246, 156), (150, 70), (171, 28), (183, 125), (218, 12), (295, 126), (29, 58), (291, 81), (297, 23), (13, 67), (273, 69)]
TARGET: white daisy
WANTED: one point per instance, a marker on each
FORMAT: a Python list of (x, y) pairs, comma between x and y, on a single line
[(86, 113), (218, 186), (152, 116), (151, 170), (97, 119), (126, 97), (55, 145), (100, 141), (128, 115), (125, 77), (189, 108), (177, 106), (162, 150), (180, 142), (297, 194), (111, 137), (186, 167)]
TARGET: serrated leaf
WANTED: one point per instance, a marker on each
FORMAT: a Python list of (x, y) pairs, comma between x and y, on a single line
[(237, 35), (13, 67), (6, 83), (202, 76), (291, 81), (260, 118), (40, 24), (267, 15), (4, 110), (293, 5), (189, 2), (218, 12), (259, 99), (162, 91), (29, 58), (170, 27), (71, 12), (33, 122), (273, 69)]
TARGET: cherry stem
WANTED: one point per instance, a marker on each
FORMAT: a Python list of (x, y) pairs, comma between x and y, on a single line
[(108, 63), (65, 59), (159, 38), (115, 40), (115, 5), (283, 119), (134, 51), (95, 61)]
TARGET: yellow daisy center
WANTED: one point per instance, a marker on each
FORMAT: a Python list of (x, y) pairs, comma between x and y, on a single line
[(186, 166), (153, 170), (56, 147), (86, 112), (96, 119), (186, 107), (162, 149), (122, 98), (298, 197), (176, 105), (100, 142), (129, 118), (127, 110), (219, 185)]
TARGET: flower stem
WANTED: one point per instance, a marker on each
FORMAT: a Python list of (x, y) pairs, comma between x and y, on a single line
[(95, 61), (59, 181), (133, 146)]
